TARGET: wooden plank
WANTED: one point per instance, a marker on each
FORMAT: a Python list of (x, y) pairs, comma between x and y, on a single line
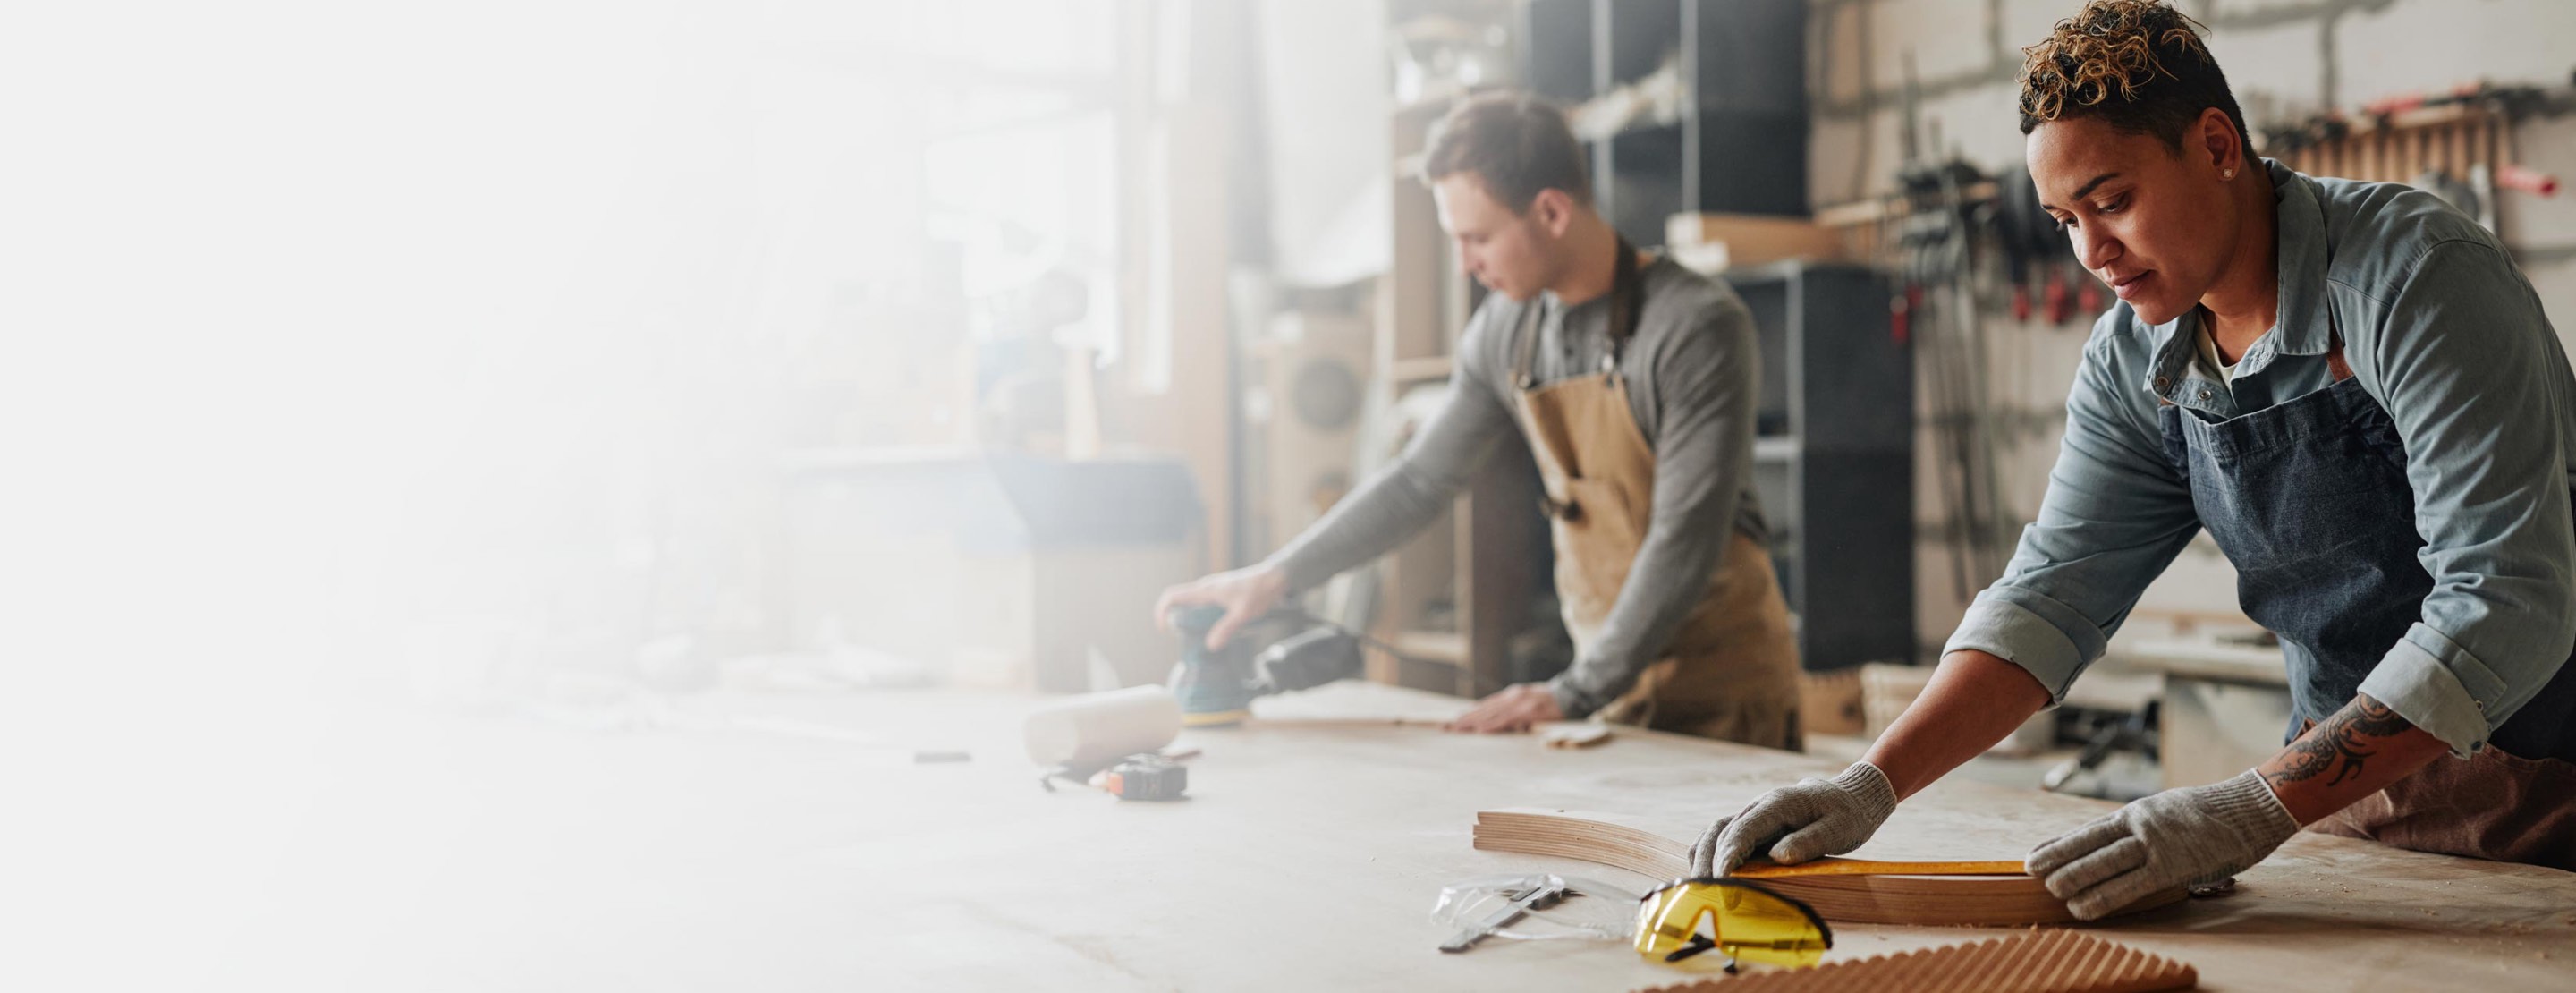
[(1431, 646), (1867, 212), (1752, 240), (1944, 901)]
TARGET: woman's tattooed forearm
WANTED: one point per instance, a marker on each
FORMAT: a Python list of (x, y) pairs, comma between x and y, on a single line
[(2342, 744)]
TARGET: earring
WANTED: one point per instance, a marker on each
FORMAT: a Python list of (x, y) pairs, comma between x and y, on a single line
[(2227, 174)]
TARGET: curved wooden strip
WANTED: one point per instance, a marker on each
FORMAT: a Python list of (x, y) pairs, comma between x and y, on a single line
[(1992, 901)]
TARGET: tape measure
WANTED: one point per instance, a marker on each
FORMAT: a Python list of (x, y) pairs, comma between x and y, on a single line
[(1871, 867), (1144, 777)]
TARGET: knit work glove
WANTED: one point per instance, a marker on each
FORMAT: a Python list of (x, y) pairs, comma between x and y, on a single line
[(1792, 824), (2192, 836)]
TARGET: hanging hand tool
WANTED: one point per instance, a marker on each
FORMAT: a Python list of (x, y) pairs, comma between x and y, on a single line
[(2032, 243), (2514, 177)]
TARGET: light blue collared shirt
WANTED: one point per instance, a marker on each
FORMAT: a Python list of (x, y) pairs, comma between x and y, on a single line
[(2445, 334)]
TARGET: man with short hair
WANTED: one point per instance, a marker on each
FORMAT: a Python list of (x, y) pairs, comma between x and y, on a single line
[(1635, 382)]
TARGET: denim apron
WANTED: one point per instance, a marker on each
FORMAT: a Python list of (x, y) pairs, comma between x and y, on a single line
[(2309, 499), (1731, 671)]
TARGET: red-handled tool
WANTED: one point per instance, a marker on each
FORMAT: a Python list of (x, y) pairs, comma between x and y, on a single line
[(2533, 181)]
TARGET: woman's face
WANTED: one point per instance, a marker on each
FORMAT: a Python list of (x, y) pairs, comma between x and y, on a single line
[(2154, 224)]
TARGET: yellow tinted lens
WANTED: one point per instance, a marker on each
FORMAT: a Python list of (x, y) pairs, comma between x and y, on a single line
[(1665, 921), (1755, 926), (1750, 925)]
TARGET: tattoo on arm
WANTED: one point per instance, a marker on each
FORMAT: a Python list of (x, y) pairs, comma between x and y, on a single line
[(2342, 744)]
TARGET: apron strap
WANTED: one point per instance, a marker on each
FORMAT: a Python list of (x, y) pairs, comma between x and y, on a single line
[(1524, 343), (1625, 291), (2334, 335)]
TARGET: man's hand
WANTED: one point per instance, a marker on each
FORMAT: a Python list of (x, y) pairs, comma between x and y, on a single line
[(1793, 824), (2182, 837), (1513, 708), (1245, 593)]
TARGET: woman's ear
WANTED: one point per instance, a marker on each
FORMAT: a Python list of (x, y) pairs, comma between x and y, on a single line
[(2218, 136)]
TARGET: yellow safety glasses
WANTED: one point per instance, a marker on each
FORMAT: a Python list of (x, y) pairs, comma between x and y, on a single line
[(1745, 921)]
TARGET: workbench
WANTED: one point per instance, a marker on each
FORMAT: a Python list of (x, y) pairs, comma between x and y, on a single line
[(495, 851)]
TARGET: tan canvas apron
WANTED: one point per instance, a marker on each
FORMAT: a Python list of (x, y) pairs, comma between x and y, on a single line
[(1730, 671)]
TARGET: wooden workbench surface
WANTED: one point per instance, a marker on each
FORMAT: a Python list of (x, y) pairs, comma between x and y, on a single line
[(503, 853)]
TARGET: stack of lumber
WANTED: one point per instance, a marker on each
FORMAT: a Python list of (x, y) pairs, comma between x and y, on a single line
[(1860, 898)]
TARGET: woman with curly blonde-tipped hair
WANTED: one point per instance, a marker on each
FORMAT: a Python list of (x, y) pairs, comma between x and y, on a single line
[(2351, 387)]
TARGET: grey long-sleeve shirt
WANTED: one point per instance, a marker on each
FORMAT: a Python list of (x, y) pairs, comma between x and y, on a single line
[(1694, 378)]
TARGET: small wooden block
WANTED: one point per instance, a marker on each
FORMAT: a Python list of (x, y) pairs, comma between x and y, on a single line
[(2040, 962), (1831, 702), (1575, 735)]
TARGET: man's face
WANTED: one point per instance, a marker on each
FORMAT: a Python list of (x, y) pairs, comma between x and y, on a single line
[(2153, 224), (1512, 253)]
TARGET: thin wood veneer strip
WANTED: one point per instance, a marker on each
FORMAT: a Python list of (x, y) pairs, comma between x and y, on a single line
[(1992, 901)]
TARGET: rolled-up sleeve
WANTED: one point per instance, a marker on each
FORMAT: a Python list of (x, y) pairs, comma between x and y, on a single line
[(2471, 374), (2115, 515)]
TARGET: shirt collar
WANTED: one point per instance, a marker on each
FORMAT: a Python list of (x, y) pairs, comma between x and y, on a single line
[(2300, 229)]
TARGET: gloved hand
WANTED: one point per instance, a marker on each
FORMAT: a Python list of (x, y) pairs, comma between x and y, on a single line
[(2192, 836), (1818, 816)]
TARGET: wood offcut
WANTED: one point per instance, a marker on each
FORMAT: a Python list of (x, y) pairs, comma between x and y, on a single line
[(1992, 901)]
